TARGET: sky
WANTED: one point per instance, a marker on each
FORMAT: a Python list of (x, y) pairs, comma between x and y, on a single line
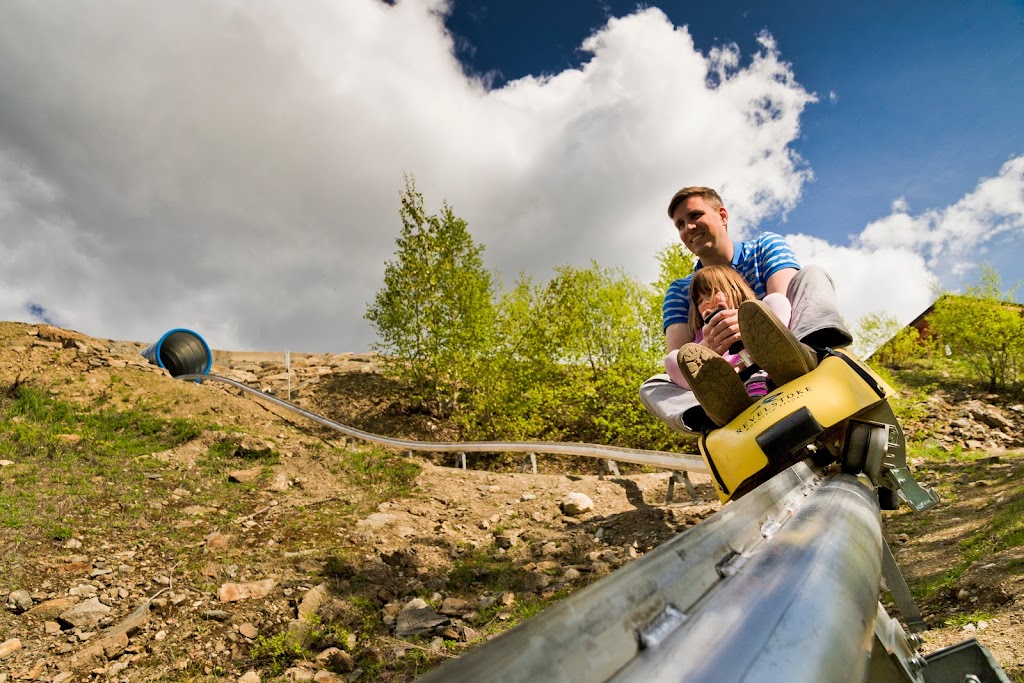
[(235, 168)]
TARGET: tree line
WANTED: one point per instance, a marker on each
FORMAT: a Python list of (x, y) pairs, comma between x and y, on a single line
[(562, 359), (981, 329)]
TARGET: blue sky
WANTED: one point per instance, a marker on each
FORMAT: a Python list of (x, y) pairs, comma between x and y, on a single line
[(927, 96), (235, 168)]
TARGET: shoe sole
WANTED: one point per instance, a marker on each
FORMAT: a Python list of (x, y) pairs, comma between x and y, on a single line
[(772, 345), (714, 382)]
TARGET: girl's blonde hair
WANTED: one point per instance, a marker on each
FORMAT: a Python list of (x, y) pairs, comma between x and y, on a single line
[(710, 279)]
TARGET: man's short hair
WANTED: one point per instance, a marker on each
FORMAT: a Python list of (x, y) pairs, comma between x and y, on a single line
[(705, 193)]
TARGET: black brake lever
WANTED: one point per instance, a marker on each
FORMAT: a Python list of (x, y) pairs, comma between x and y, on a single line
[(737, 346)]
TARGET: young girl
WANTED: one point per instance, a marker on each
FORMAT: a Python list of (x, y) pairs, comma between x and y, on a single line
[(714, 288)]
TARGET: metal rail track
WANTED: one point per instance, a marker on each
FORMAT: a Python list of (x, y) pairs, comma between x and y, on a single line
[(739, 597), (781, 585), (680, 462)]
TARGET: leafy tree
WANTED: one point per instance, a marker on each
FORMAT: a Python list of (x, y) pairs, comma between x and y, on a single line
[(674, 262), (882, 338), (569, 356), (985, 328), (595, 316), (559, 360), (904, 346), (434, 314), (515, 396)]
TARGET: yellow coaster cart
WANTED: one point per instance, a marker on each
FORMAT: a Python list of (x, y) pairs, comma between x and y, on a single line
[(837, 412)]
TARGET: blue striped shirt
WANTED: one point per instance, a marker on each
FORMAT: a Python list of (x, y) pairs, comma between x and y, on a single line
[(756, 260)]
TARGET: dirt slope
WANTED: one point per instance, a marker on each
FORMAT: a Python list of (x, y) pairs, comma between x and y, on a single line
[(196, 561)]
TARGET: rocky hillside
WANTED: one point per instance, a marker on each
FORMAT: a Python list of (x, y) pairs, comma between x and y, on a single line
[(154, 529)]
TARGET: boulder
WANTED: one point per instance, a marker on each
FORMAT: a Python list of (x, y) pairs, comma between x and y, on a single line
[(417, 617), (19, 601), (575, 504), (85, 614), (232, 592)]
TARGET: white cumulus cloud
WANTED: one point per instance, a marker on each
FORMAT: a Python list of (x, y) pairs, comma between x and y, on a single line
[(965, 229), (889, 280), (899, 263), (235, 167)]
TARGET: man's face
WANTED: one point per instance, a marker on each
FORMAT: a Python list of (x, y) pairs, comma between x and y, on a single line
[(701, 228)]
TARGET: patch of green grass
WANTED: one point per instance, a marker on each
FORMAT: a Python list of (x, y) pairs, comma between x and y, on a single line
[(59, 532), (930, 450), (960, 620), (78, 467), (38, 420), (379, 473), (931, 372), (486, 570), (1005, 530), (924, 591), (318, 633), (525, 607), (371, 620), (277, 652)]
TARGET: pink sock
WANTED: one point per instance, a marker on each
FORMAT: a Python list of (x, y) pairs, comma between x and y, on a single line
[(672, 368), (780, 306)]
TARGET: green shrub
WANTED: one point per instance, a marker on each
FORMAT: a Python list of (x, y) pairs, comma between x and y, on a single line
[(277, 652), (986, 329)]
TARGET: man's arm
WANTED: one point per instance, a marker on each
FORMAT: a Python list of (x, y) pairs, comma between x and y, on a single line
[(779, 281), (676, 335)]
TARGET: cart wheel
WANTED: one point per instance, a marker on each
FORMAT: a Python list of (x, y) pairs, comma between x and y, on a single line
[(855, 455), (865, 449), (888, 499)]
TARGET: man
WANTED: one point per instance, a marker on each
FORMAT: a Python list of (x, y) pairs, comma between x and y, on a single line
[(768, 264)]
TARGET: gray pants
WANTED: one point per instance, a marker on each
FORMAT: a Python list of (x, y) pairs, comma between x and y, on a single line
[(815, 321)]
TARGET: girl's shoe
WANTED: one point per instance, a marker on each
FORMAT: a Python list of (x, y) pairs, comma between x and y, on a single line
[(772, 345), (714, 382)]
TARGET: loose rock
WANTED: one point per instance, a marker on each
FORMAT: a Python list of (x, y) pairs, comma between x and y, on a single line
[(86, 614), (19, 601), (245, 476), (336, 659), (216, 615), (51, 608), (506, 539), (575, 504), (417, 617), (231, 592), (312, 600), (454, 606), (9, 647), (217, 541)]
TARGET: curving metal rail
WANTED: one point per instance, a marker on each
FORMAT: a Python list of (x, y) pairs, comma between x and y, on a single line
[(682, 461), (738, 597), (780, 585)]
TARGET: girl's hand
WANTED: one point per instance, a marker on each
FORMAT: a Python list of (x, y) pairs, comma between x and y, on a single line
[(723, 331)]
